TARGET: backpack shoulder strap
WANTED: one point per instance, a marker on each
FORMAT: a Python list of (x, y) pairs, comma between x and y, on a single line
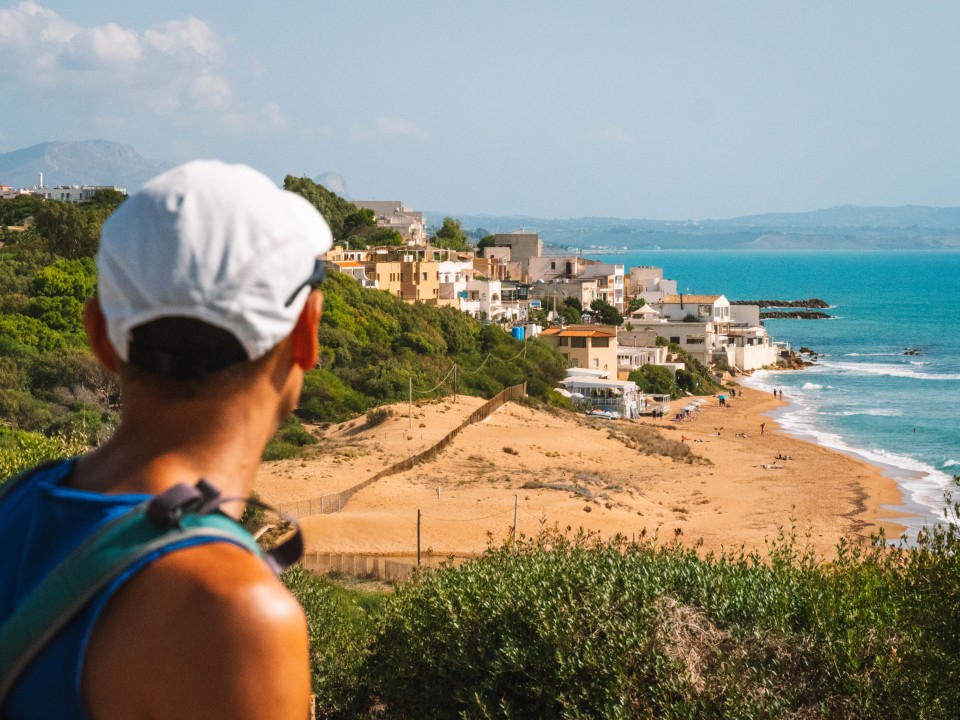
[(118, 545)]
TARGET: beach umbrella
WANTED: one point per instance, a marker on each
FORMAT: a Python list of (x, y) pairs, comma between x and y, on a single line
[(722, 397)]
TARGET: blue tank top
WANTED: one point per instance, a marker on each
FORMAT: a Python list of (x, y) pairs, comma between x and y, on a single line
[(41, 522)]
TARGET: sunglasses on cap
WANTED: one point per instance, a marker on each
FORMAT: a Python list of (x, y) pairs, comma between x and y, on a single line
[(312, 282)]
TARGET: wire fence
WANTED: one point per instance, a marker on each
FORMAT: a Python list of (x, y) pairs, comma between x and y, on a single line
[(334, 502)]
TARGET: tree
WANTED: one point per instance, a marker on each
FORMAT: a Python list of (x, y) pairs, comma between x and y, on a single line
[(68, 229), (570, 314), (607, 313), (655, 379), (451, 236), (636, 302)]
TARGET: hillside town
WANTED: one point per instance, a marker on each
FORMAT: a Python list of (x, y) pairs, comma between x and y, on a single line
[(514, 283)]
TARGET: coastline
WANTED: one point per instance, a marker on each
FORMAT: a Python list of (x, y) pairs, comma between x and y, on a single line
[(919, 484), (557, 470)]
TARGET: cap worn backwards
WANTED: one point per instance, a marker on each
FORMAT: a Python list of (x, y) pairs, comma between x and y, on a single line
[(212, 242)]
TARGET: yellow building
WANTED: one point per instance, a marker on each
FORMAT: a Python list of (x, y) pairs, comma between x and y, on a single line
[(586, 346)]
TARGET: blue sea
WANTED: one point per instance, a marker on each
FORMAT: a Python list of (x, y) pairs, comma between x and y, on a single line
[(864, 396)]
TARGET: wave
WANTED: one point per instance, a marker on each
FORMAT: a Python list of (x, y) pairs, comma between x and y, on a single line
[(922, 483), (811, 386), (951, 463), (877, 354), (873, 412), (881, 369)]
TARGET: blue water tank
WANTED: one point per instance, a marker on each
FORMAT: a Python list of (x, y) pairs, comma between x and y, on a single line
[(517, 332)]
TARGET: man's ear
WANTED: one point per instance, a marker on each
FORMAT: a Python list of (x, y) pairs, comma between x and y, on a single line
[(305, 340), (96, 325)]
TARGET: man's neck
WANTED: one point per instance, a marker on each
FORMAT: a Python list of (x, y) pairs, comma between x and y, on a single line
[(158, 445)]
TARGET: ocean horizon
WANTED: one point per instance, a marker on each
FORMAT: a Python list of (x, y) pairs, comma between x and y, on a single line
[(885, 386)]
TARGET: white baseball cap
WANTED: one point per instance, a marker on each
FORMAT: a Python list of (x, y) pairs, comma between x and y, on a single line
[(215, 243)]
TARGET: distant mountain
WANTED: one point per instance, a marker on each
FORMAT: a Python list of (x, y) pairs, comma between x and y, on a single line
[(840, 228), (84, 162), (854, 216)]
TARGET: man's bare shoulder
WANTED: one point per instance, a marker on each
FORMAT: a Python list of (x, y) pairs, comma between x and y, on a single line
[(206, 631)]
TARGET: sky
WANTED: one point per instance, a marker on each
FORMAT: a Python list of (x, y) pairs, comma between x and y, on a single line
[(660, 109)]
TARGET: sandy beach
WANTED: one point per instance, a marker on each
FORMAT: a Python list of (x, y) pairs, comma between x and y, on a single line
[(571, 472)]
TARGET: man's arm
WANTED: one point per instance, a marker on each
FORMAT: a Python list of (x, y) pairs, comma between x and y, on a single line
[(205, 632)]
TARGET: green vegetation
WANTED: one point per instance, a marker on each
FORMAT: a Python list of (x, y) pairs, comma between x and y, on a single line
[(289, 442), (694, 378), (571, 627), (451, 236), (607, 313), (349, 224), (372, 344), (655, 379)]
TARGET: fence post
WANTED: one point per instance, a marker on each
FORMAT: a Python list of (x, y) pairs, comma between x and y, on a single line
[(418, 538), (516, 505)]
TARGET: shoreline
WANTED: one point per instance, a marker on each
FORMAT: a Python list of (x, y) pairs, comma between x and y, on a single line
[(913, 514), (558, 470)]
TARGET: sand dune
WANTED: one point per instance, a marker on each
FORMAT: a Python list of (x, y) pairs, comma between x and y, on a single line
[(566, 471)]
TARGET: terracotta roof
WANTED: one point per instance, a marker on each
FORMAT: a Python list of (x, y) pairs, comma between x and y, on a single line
[(347, 264), (692, 299), (566, 332)]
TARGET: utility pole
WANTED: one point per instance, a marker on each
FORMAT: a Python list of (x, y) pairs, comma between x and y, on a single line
[(454, 384), (516, 506), (418, 538)]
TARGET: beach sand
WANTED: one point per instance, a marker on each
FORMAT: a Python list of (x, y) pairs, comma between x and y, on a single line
[(564, 471)]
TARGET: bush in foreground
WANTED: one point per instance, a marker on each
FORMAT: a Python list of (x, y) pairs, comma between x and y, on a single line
[(575, 628)]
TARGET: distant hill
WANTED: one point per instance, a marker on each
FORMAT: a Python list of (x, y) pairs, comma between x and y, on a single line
[(847, 227), (854, 216), (83, 162)]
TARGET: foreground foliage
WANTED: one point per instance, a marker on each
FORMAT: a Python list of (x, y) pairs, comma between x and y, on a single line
[(574, 628)]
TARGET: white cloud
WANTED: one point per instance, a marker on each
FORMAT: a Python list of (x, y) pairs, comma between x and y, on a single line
[(387, 128), (615, 134), (101, 48), (108, 74)]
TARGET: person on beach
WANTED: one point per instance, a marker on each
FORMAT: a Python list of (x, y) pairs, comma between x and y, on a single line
[(762, 426), (207, 311)]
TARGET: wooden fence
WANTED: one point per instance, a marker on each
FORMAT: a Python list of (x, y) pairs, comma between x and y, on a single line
[(357, 565), (334, 502)]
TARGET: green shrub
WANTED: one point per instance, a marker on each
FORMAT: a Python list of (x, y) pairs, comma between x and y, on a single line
[(254, 516), (277, 449), (341, 626), (20, 450)]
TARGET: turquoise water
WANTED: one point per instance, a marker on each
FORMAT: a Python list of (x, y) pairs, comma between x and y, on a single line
[(865, 396)]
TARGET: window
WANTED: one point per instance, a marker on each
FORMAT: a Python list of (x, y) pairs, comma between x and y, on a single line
[(705, 310), (553, 265), (578, 342), (424, 276), (695, 341), (675, 339), (601, 342), (564, 342)]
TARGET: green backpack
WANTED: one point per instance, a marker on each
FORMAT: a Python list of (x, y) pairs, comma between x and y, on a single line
[(181, 513)]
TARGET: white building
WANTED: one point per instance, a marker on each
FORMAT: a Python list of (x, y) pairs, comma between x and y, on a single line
[(454, 277), (594, 393), (648, 283), (702, 308), (609, 279), (392, 214)]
